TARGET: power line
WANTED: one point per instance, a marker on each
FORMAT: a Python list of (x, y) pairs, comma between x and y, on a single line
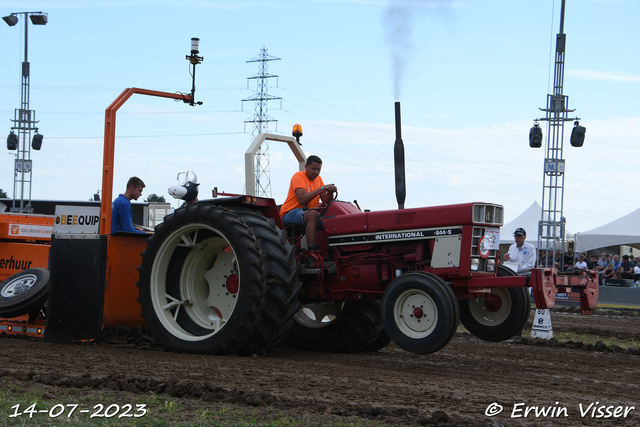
[(148, 136)]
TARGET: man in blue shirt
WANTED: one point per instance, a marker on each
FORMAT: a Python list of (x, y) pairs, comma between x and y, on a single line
[(121, 210)]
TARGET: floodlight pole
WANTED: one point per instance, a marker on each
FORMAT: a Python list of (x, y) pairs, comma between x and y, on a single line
[(551, 227), (24, 122)]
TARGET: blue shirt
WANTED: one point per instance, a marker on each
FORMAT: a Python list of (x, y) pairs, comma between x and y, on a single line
[(121, 216)]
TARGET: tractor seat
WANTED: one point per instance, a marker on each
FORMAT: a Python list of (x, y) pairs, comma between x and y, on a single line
[(294, 231)]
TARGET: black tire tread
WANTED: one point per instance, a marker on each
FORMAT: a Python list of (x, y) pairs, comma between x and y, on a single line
[(444, 298), (243, 337), (31, 300), (282, 269), (356, 329), (513, 323)]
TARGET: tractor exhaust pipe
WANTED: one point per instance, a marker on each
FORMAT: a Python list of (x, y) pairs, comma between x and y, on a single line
[(398, 157)]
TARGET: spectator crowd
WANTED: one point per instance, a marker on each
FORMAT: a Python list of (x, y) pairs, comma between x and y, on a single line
[(609, 267)]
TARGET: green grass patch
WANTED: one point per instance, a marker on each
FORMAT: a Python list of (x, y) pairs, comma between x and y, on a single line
[(575, 337), (590, 339)]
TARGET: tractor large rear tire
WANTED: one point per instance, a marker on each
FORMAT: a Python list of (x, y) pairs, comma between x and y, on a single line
[(420, 312), (383, 339), (24, 292), (497, 321), (204, 284), (338, 327), (283, 286), (381, 342)]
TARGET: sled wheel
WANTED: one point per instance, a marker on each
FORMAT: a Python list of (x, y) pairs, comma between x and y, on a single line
[(338, 327), (500, 316), (419, 312), (202, 283), (282, 276), (24, 292)]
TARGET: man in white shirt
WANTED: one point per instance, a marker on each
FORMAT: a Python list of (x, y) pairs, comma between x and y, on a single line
[(521, 252), (581, 264)]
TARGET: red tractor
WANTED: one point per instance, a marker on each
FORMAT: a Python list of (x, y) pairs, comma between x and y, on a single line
[(223, 276)]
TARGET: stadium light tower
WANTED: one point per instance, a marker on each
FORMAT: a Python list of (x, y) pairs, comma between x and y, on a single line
[(24, 122), (551, 227)]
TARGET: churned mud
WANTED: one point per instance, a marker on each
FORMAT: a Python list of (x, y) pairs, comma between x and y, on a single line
[(521, 382)]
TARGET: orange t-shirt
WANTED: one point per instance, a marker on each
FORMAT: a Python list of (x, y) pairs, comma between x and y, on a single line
[(300, 180)]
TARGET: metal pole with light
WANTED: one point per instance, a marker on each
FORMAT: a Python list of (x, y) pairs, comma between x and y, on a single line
[(194, 60), (551, 227), (24, 122), (108, 156)]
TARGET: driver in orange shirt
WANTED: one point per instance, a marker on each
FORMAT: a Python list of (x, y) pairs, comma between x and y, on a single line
[(305, 191)]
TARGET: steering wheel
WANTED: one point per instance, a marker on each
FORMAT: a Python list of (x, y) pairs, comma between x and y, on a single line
[(335, 197)]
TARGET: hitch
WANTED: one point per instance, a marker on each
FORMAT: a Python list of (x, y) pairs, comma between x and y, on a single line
[(547, 282)]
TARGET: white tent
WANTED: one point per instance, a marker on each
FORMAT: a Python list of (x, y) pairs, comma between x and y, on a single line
[(622, 231), (527, 220)]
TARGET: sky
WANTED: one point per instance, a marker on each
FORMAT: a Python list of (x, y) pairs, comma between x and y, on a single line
[(471, 77)]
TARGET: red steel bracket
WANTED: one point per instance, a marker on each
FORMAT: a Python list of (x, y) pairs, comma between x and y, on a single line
[(543, 287), (546, 282)]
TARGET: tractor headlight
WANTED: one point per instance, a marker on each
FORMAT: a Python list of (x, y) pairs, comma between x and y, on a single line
[(491, 265), (475, 264)]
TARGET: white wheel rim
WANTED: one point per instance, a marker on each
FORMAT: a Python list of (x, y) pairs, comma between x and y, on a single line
[(486, 316), (320, 315), (415, 313), (19, 285), (204, 296)]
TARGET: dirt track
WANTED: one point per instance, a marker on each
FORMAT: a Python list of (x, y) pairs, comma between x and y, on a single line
[(455, 386)]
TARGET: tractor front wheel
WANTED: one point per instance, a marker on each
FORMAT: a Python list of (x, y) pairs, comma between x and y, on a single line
[(499, 315), (420, 312)]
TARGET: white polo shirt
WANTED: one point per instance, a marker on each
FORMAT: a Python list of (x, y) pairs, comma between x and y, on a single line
[(525, 256)]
